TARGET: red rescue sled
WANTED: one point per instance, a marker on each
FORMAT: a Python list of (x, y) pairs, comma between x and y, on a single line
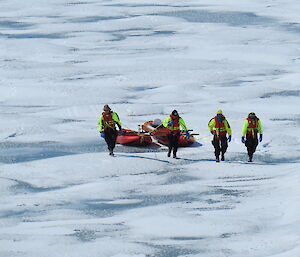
[(134, 138), (159, 132)]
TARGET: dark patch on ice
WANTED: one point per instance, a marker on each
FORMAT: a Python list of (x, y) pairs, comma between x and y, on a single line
[(236, 83), (73, 79), (142, 157), (163, 32), (147, 5), (149, 200), (171, 250), (248, 179), (120, 35), (227, 235), (127, 30), (117, 37), (31, 156), (91, 19), (35, 35), (14, 25), (13, 214), (24, 187), (154, 33), (230, 18), (71, 121), (187, 160), (12, 135), (211, 201), (186, 238), (74, 49), (85, 235), (14, 152), (77, 3), (141, 88), (243, 178), (282, 93), (76, 62), (260, 159), (295, 119), (105, 208), (292, 27), (219, 208), (179, 178), (227, 192)]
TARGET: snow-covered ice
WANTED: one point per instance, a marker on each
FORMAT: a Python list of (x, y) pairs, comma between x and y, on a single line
[(62, 195)]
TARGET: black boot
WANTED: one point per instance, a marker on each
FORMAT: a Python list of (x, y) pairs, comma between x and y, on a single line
[(217, 159), (169, 153), (250, 157), (222, 157)]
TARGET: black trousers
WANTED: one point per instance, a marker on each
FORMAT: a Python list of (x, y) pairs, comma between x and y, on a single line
[(110, 136), (173, 138), (220, 144), (251, 144)]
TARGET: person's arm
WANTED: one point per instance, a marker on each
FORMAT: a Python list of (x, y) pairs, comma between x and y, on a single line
[(259, 127), (182, 124), (245, 127), (117, 120), (227, 127), (100, 125), (211, 125), (166, 121)]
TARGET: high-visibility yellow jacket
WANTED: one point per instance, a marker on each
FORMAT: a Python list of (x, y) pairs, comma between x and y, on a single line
[(115, 120), (252, 130), (217, 131), (174, 126)]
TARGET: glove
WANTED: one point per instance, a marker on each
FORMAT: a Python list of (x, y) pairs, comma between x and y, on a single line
[(102, 134), (212, 132), (187, 134), (171, 123), (229, 139), (260, 137), (121, 132), (243, 140)]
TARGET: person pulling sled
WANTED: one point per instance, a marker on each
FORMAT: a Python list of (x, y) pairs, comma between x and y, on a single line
[(107, 127), (173, 123)]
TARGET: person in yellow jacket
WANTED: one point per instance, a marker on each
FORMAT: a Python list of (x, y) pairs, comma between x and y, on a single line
[(173, 123), (107, 127), (252, 126), (219, 127)]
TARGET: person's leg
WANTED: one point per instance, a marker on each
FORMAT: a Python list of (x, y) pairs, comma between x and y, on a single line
[(107, 139), (254, 144), (175, 144), (224, 146), (170, 139), (251, 144), (216, 144), (113, 141)]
